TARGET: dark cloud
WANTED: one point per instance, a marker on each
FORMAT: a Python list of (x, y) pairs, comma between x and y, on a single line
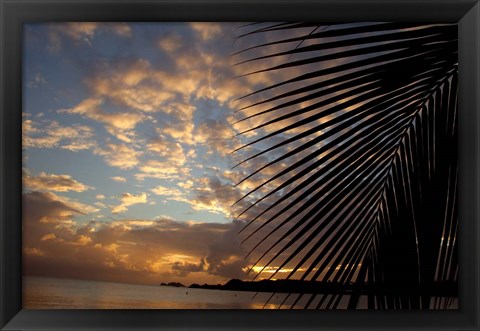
[(139, 251), (225, 256), (184, 269), (215, 194)]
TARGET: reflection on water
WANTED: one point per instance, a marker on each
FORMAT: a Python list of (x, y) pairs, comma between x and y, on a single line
[(58, 293)]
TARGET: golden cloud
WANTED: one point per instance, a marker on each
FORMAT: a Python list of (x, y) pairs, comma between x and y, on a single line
[(49, 236), (119, 179), (171, 151), (206, 31), (52, 182), (33, 251), (121, 29), (128, 200), (71, 206), (100, 204), (167, 191), (160, 170), (82, 32), (119, 155), (53, 135), (217, 136), (170, 43), (91, 109)]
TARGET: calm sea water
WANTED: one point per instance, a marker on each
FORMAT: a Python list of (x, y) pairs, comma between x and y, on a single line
[(59, 293)]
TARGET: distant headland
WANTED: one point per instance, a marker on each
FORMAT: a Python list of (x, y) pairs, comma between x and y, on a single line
[(301, 286), (173, 284)]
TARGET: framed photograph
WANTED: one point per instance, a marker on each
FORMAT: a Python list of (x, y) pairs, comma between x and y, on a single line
[(239, 165)]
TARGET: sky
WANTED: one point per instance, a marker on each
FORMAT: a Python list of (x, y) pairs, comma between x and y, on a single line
[(128, 130), (133, 140)]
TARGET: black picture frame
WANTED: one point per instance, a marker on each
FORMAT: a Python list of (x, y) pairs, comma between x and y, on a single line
[(16, 12)]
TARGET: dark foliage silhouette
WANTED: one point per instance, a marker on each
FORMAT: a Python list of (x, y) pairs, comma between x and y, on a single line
[(367, 137)]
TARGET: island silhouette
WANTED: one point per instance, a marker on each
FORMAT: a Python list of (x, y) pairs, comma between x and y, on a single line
[(440, 289)]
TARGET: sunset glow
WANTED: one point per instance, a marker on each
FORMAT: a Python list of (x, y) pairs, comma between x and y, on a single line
[(309, 159)]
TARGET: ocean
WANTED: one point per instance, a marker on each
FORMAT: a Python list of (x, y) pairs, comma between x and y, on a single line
[(61, 293)]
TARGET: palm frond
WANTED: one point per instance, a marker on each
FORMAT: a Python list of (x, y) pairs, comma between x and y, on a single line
[(357, 160)]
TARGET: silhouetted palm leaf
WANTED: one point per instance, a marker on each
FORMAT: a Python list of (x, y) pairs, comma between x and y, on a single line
[(368, 148)]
